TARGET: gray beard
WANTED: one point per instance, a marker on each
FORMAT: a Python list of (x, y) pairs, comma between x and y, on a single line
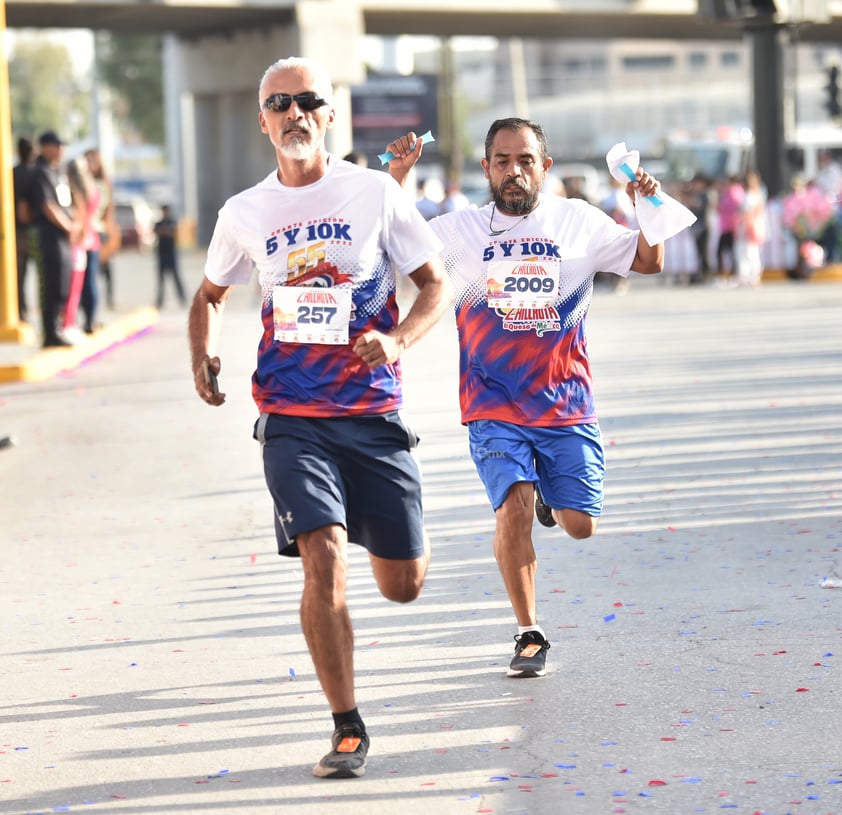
[(300, 149)]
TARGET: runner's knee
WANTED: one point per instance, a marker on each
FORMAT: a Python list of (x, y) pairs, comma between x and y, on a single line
[(579, 525)]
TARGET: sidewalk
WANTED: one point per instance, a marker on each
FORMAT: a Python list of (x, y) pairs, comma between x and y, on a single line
[(151, 657), (134, 313)]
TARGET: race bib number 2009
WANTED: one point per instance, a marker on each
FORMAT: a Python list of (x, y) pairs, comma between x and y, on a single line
[(311, 315), (522, 284)]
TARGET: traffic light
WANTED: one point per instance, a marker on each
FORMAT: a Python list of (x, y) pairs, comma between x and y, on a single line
[(833, 104)]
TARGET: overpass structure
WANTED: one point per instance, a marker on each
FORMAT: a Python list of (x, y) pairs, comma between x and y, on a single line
[(568, 19), (216, 50)]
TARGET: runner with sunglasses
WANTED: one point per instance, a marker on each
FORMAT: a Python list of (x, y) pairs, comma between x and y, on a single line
[(328, 239)]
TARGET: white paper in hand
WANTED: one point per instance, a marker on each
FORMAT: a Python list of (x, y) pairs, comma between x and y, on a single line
[(660, 216)]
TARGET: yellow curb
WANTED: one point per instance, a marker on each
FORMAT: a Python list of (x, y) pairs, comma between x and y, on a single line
[(47, 362), (827, 274)]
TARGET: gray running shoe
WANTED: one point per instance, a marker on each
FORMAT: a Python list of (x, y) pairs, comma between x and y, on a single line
[(347, 758)]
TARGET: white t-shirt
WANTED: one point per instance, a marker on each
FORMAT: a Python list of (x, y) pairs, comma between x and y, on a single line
[(349, 232), (521, 298)]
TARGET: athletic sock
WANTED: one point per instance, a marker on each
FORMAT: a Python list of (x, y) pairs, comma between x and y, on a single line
[(350, 717), (522, 629)]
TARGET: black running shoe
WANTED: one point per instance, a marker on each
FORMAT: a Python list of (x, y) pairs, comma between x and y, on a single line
[(347, 758), (542, 512), (530, 657)]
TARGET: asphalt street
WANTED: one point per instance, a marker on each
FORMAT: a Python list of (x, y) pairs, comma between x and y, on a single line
[(152, 660)]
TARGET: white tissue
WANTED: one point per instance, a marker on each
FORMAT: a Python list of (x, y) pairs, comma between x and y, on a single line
[(659, 218)]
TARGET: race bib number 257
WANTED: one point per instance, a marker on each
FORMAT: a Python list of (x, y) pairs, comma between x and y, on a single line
[(312, 315)]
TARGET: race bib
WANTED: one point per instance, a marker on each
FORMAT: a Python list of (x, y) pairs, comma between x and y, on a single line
[(522, 284), (313, 315)]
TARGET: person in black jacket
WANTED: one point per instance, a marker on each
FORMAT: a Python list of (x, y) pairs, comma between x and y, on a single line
[(22, 177)]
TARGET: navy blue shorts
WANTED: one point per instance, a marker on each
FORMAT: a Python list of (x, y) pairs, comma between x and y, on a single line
[(356, 471)]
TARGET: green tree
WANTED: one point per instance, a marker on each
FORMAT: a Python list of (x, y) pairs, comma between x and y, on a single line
[(131, 65), (44, 93)]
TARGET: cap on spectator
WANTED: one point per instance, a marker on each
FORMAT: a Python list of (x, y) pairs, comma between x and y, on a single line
[(49, 137)]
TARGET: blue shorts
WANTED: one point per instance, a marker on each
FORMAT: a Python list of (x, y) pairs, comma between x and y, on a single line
[(356, 471), (567, 463)]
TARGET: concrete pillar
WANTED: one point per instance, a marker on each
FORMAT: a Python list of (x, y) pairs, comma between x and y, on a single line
[(212, 92)]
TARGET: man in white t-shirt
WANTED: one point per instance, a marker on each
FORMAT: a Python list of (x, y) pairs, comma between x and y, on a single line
[(523, 268), (328, 239)]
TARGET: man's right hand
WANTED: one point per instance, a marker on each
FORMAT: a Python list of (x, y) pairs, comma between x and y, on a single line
[(203, 383), (405, 157)]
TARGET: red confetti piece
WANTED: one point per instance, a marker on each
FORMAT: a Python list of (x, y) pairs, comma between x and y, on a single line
[(667, 738), (801, 690), (117, 795), (656, 782), (252, 558)]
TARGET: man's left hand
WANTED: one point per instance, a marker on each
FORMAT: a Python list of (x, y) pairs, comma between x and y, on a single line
[(376, 349)]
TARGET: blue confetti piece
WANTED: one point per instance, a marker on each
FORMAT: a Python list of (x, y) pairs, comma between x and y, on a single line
[(292, 672), (609, 618), (385, 158), (565, 766), (499, 778)]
